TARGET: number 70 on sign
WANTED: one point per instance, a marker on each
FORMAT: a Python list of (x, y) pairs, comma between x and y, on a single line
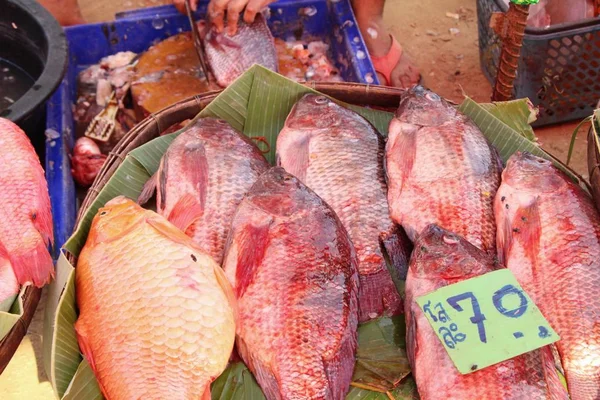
[(485, 320)]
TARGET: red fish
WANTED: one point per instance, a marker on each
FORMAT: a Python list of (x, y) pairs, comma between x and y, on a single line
[(26, 228), (441, 170), (231, 56), (294, 272), (202, 178), (339, 155), (442, 258), (549, 237)]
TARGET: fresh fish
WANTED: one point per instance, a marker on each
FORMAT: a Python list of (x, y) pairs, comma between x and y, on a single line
[(26, 228), (202, 178), (339, 155), (549, 237), (230, 56), (442, 258), (294, 271), (441, 170), (86, 161), (156, 313)]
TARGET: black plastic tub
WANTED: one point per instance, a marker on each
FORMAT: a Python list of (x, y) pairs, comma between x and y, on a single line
[(33, 51)]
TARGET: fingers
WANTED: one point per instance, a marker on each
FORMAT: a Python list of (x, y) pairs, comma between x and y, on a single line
[(234, 9), (216, 12), (252, 8), (180, 6)]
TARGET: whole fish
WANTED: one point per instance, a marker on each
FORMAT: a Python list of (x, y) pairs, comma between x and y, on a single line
[(339, 155), (202, 178), (549, 237), (156, 314), (26, 228), (294, 271), (230, 56), (442, 258), (441, 169)]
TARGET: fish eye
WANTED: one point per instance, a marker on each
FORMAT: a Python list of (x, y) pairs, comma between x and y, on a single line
[(321, 100), (103, 212), (448, 239)]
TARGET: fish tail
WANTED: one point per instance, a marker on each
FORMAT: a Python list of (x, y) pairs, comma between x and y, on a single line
[(378, 295), (556, 389), (583, 384), (339, 370), (35, 266)]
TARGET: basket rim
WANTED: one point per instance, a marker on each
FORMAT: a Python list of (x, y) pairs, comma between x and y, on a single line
[(566, 28)]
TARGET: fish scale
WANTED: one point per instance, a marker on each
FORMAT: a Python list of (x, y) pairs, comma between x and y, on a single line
[(294, 270), (231, 56), (442, 258), (204, 175), (171, 331), (26, 231), (441, 170), (549, 237), (339, 155)]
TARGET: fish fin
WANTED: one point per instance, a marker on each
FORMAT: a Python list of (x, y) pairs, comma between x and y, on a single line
[(403, 148), (295, 156), (339, 369), (528, 226), (8, 281), (171, 232), (397, 249), (148, 189), (252, 241), (412, 347), (194, 161), (86, 350), (556, 389), (35, 267), (265, 376), (185, 212), (228, 290), (206, 394)]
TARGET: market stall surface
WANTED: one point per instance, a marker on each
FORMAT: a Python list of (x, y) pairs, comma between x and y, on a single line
[(449, 62)]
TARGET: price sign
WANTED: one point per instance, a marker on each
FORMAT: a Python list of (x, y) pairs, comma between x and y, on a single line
[(485, 320)]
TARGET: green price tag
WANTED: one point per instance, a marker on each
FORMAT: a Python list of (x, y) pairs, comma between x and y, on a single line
[(524, 2), (485, 320)]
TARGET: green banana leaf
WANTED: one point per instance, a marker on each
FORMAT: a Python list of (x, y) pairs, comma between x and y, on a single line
[(11, 310), (507, 140), (256, 104), (517, 114)]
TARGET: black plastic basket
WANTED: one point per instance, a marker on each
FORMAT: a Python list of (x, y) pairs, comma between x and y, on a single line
[(559, 68)]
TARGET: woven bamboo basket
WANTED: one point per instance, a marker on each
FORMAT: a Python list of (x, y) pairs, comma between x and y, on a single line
[(11, 342)]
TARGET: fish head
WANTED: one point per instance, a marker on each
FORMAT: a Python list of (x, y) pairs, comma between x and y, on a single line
[(314, 111), (445, 255), (423, 107), (277, 192), (532, 173), (117, 217)]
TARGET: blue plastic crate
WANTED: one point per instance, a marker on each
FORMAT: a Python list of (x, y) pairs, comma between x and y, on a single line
[(331, 21)]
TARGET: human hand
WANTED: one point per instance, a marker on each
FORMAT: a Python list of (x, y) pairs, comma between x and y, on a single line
[(180, 5), (217, 8)]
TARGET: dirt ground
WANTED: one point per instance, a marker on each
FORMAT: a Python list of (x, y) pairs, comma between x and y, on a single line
[(449, 64)]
